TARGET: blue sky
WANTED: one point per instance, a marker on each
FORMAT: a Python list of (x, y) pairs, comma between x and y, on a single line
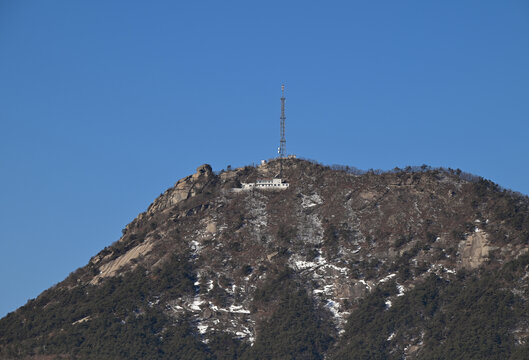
[(105, 104)]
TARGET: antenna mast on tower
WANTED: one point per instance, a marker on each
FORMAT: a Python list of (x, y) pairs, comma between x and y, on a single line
[(282, 150), (282, 141)]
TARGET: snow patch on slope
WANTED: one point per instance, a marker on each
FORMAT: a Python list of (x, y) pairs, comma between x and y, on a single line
[(308, 201)]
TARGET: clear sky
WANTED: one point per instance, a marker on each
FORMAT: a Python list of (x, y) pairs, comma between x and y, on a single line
[(105, 104)]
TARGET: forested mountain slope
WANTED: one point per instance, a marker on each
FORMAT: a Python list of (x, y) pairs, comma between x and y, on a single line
[(416, 263)]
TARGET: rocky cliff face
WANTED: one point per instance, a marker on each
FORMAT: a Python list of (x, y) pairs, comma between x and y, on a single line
[(336, 236)]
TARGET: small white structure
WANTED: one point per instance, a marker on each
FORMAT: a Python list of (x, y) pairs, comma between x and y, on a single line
[(274, 184)]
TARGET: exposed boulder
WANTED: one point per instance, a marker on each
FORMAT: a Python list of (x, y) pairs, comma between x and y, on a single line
[(184, 189)]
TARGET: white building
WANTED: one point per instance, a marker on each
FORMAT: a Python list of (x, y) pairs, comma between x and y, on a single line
[(274, 184)]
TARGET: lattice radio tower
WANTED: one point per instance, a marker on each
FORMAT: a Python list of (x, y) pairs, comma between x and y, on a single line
[(282, 141)]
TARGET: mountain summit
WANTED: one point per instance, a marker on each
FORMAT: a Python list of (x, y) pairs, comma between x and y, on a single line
[(414, 263)]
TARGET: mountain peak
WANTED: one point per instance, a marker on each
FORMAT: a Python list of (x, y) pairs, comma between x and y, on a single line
[(223, 264)]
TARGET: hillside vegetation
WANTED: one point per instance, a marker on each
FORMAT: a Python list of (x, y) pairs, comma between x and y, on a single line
[(415, 263)]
